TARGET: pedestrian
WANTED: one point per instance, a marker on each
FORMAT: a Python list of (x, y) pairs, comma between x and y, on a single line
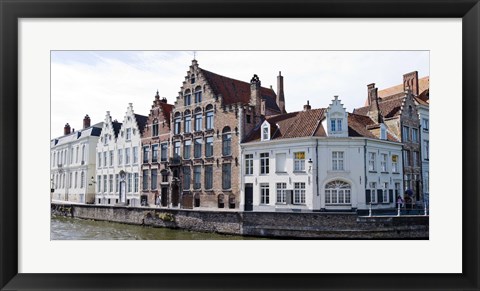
[(400, 201)]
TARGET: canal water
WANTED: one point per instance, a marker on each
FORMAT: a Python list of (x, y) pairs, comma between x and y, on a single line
[(65, 228)]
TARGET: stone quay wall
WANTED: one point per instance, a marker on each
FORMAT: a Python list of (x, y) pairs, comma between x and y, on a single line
[(316, 225)]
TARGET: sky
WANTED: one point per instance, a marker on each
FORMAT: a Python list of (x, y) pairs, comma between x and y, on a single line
[(94, 82)]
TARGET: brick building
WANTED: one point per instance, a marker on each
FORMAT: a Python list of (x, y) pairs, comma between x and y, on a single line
[(211, 116), (400, 107), (155, 156)]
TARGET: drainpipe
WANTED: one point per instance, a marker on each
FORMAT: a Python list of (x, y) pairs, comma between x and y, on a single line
[(316, 173), (365, 172), (241, 197)]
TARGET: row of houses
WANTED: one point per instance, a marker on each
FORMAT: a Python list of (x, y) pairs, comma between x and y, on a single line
[(226, 144)]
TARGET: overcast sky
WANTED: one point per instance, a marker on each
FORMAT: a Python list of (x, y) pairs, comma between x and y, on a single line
[(93, 82)]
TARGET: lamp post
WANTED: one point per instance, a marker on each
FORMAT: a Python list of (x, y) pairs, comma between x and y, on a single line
[(92, 183)]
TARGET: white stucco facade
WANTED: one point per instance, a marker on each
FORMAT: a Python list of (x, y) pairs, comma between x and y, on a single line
[(72, 165), (118, 160), (423, 113)]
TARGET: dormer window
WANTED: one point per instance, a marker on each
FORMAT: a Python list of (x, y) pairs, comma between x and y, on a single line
[(265, 131), (383, 132), (335, 124), (192, 79), (129, 133)]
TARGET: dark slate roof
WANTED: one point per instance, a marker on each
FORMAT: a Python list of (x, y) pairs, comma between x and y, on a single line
[(96, 131), (116, 128), (141, 122), (234, 91), (292, 125)]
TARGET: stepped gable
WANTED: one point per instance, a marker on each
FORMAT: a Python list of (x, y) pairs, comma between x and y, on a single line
[(234, 91)]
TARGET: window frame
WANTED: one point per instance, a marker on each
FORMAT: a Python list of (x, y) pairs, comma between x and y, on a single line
[(264, 193), (264, 163)]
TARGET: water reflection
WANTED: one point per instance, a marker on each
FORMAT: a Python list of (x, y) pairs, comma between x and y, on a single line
[(65, 228)]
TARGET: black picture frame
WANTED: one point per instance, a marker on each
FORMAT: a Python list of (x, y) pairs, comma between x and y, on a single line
[(11, 11)]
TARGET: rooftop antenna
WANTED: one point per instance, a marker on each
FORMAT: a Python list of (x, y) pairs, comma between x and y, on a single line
[(194, 55)]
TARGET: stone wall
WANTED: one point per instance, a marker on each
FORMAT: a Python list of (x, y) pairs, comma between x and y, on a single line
[(262, 224)]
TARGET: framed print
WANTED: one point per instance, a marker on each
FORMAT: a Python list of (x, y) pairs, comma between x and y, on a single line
[(33, 34)]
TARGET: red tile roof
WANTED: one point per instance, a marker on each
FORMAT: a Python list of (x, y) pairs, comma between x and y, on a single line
[(389, 108), (234, 91), (423, 84), (167, 111)]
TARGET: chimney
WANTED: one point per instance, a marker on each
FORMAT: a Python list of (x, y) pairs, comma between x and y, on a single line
[(374, 110), (255, 94), (307, 106), (410, 81), (86, 121), (164, 100), (280, 94), (66, 129)]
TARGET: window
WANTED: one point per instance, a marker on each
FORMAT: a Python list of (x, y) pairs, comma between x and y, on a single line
[(209, 146), (154, 173), (406, 158), (280, 163), (385, 192), (192, 79), (373, 192), (249, 118), (406, 133), (226, 176), (105, 159), (155, 128), (209, 117), (416, 159), (299, 161), (266, 132), (82, 180), (83, 153), (135, 155), (198, 94), (410, 111), (164, 174), (198, 121), (177, 125), (394, 163), (408, 180), (164, 152), (127, 156), (426, 181), (249, 164), (426, 149), (99, 160), (264, 193), (135, 182), (226, 141), (299, 193), (111, 158), (425, 124), (146, 150), (281, 192), (197, 148), (187, 98), (397, 189), (117, 182), (188, 123), (414, 135), (155, 153), (129, 133), (76, 154), (197, 173), (208, 177), (145, 180), (110, 183), (186, 178), (383, 163), (176, 150), (337, 161), (186, 149), (99, 183), (264, 163), (120, 156), (372, 161), (76, 178), (337, 192), (105, 183), (335, 124), (221, 201), (383, 132), (70, 180)]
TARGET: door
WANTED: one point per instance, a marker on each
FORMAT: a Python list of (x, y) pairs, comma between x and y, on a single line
[(122, 192), (248, 197), (175, 195), (164, 196)]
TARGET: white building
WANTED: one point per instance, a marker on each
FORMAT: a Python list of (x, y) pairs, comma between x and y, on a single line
[(320, 159), (423, 114), (73, 162), (118, 160)]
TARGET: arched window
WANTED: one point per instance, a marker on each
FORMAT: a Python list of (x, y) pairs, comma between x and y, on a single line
[(155, 127), (231, 201), (337, 192), (198, 119), (177, 120), (187, 98), (198, 94), (226, 141), (83, 154), (209, 117), (187, 121), (221, 201)]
